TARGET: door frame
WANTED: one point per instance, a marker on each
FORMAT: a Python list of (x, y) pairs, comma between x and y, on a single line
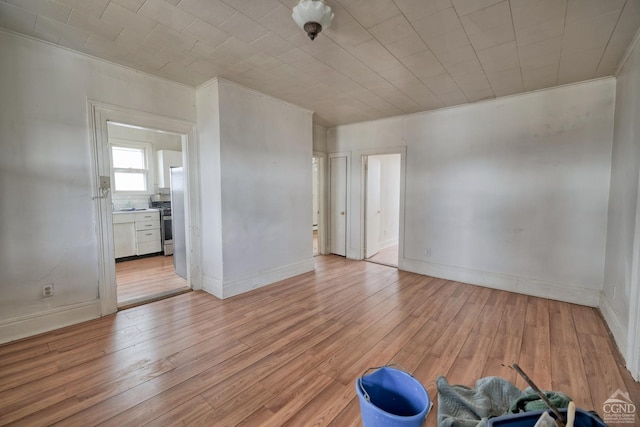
[(363, 178), (632, 356), (366, 207), (322, 205), (348, 200), (101, 113)]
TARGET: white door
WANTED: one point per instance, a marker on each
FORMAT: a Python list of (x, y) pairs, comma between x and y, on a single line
[(338, 205), (372, 213)]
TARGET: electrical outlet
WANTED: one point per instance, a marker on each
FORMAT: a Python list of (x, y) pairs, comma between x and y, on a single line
[(47, 290), (427, 252)]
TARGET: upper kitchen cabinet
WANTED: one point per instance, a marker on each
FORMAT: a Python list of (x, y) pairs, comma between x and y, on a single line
[(167, 159)]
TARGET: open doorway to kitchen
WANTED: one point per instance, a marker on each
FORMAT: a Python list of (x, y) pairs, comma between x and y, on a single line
[(146, 188), (382, 208), (137, 158)]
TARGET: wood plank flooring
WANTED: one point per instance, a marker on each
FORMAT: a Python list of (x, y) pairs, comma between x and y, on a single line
[(289, 353), (146, 279)]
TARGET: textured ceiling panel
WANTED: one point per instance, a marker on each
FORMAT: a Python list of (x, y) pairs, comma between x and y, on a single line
[(380, 57)]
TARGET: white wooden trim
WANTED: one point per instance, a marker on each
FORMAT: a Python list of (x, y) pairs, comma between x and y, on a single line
[(212, 286), (322, 202), (632, 353), (617, 328), (388, 243), (37, 323), (364, 164), (100, 115), (558, 291)]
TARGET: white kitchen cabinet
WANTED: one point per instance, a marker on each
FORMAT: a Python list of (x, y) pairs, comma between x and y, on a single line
[(147, 228), (166, 160), (136, 233), (124, 237)]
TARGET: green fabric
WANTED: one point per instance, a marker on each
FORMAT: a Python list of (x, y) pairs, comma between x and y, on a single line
[(530, 401), (462, 406)]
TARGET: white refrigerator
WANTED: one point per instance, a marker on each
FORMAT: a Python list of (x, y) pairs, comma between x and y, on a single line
[(178, 221)]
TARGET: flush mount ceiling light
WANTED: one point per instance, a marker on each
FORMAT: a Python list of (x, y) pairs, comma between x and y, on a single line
[(312, 16)]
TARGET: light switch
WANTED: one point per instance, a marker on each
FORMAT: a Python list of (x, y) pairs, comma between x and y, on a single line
[(105, 182)]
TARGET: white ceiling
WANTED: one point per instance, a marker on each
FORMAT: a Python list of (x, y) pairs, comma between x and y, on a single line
[(380, 58)]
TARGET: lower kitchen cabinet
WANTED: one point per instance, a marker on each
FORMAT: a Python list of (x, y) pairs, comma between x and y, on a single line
[(136, 233), (148, 232), (148, 241), (124, 239)]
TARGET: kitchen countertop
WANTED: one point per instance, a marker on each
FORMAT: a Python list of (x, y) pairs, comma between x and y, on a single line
[(128, 211)]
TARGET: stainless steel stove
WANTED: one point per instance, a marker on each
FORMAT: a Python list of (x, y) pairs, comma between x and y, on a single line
[(166, 227)]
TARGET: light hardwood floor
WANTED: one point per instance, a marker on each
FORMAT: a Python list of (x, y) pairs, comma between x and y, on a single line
[(289, 353), (145, 279)]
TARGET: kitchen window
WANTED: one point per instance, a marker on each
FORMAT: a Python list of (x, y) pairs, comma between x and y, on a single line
[(130, 168)]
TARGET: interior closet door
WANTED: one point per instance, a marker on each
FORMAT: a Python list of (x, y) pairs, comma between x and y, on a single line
[(338, 205)]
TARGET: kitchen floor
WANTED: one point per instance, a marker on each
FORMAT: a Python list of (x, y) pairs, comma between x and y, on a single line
[(147, 279)]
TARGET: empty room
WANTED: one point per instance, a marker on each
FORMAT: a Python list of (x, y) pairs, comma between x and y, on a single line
[(238, 212)]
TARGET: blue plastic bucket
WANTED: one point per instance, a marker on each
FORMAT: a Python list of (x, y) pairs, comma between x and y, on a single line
[(391, 397)]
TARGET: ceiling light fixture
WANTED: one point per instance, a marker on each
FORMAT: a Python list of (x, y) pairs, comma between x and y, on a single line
[(312, 16)]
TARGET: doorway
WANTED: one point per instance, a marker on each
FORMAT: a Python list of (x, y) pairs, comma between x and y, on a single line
[(144, 188), (108, 181), (382, 174)]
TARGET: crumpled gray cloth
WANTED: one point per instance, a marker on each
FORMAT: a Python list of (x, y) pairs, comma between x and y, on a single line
[(460, 406)]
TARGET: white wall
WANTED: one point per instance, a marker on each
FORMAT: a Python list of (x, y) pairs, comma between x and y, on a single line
[(263, 149), (620, 294), (510, 193), (319, 139), (210, 187), (266, 150), (46, 176)]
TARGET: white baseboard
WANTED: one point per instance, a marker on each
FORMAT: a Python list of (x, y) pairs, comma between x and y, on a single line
[(617, 328), (212, 286), (33, 324), (236, 287), (538, 288), (388, 243)]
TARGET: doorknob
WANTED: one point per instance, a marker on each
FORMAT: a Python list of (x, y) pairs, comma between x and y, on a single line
[(342, 213)]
